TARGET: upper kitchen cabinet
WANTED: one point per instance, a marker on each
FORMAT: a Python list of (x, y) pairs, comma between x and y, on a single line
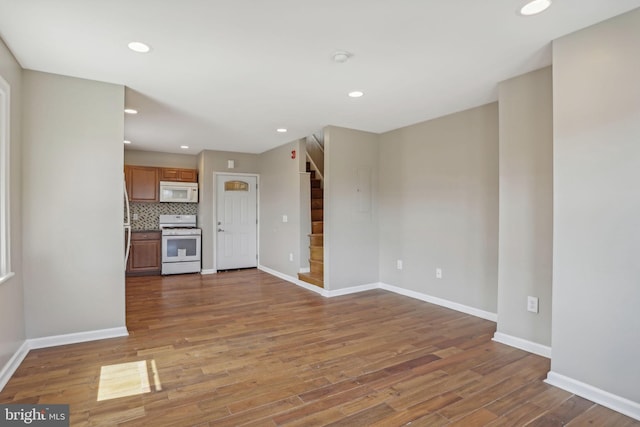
[(142, 183), (182, 175)]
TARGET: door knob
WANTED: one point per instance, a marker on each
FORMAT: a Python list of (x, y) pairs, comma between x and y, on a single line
[(220, 229)]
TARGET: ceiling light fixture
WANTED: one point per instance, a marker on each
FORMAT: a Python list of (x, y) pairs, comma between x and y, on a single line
[(184, 147), (126, 141), (356, 94), (341, 56), (534, 7), (281, 130), (130, 111), (139, 47)]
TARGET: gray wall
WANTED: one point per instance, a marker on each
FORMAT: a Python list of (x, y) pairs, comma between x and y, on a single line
[(439, 207), (526, 205), (72, 182), (350, 208), (280, 194), (596, 261), (209, 162), (12, 324), (157, 159)]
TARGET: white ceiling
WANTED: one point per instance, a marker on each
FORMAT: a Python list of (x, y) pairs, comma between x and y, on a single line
[(224, 74)]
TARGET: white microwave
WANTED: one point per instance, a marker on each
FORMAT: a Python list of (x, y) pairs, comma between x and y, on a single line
[(178, 192)]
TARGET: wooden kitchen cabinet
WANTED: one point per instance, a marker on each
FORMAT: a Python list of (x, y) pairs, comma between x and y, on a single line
[(143, 183), (181, 175), (145, 255)]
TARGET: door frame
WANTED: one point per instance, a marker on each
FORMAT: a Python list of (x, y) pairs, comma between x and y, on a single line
[(215, 214)]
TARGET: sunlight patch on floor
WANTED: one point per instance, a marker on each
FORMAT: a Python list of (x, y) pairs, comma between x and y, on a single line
[(127, 379)]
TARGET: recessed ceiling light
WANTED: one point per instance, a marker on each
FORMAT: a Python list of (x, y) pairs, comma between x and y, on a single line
[(126, 141), (130, 111), (535, 7), (341, 56), (139, 47), (184, 147), (356, 94), (281, 130)]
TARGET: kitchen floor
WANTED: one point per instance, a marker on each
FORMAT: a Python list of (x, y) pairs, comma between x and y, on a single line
[(247, 348)]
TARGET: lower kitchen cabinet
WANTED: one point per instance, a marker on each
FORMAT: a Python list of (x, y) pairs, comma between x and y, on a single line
[(145, 253)]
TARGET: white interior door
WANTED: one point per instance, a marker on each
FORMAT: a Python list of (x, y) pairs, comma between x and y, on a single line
[(237, 225)]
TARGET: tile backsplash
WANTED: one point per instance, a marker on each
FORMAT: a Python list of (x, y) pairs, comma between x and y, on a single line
[(148, 213)]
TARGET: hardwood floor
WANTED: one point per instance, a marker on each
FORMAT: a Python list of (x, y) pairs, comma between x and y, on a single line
[(246, 348)]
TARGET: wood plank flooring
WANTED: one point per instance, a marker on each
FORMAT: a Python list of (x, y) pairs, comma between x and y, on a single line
[(246, 348)]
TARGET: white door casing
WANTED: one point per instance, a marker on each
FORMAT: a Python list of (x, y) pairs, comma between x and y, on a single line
[(236, 221)]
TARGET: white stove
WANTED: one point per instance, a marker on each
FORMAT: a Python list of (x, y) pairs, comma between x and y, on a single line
[(180, 244), (180, 231)]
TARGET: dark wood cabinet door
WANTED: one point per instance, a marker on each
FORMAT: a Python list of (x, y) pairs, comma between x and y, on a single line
[(145, 256), (142, 183)]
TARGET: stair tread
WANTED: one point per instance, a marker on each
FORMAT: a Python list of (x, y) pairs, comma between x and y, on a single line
[(314, 279), (316, 237), (312, 275)]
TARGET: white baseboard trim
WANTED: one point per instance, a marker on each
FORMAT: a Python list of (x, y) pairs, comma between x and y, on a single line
[(291, 279), (77, 337), (309, 287), (12, 365), (522, 344), (324, 292), (352, 290), (599, 396), (277, 274), (441, 302), (208, 272), (367, 287)]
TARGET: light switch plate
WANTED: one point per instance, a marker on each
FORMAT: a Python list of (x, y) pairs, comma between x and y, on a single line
[(532, 304)]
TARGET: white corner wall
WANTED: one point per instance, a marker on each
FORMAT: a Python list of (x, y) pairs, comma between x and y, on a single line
[(350, 208), (12, 323), (526, 209), (72, 205), (596, 257), (280, 195), (439, 208)]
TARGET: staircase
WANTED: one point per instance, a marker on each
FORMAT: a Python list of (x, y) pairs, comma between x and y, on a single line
[(316, 238)]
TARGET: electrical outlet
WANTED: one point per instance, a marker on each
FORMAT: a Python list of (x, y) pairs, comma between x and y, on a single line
[(285, 218), (399, 264), (438, 273), (135, 216), (291, 257), (532, 304)]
